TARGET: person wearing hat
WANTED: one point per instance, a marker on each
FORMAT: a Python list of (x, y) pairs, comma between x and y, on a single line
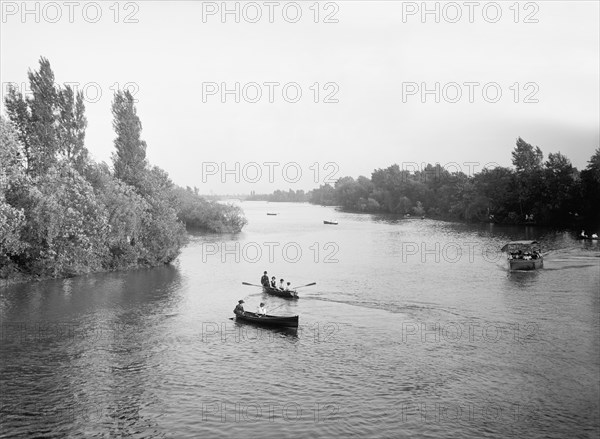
[(239, 309), (273, 282), (261, 310), (264, 280)]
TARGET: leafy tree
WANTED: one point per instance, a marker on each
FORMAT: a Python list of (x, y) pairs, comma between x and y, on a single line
[(130, 158), (18, 113), (528, 162), (197, 213), (50, 123), (526, 158), (498, 186), (35, 118), (71, 127), (125, 210), (324, 195), (560, 186), (590, 187), (11, 163), (42, 107), (12, 219), (66, 224)]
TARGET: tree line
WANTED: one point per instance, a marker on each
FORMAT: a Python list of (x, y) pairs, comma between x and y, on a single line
[(535, 191), (279, 196), (62, 214)]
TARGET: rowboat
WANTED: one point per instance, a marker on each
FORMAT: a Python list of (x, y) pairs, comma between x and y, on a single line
[(280, 293), (333, 223), (524, 255), (267, 320)]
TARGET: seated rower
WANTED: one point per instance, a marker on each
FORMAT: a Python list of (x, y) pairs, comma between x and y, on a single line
[(288, 288), (239, 309), (261, 310), (281, 284), (273, 282)]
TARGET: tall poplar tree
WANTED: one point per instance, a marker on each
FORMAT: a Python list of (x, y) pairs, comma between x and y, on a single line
[(71, 127), (49, 123), (129, 160)]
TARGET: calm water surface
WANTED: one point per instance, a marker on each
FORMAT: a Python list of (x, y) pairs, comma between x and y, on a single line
[(414, 329)]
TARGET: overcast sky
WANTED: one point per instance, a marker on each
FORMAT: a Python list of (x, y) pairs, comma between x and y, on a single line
[(371, 67)]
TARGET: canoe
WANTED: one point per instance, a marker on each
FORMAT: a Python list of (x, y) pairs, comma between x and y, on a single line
[(278, 321), (333, 223), (277, 292)]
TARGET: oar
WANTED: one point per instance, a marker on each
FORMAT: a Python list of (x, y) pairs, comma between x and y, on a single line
[(252, 285), (307, 285), (271, 310)]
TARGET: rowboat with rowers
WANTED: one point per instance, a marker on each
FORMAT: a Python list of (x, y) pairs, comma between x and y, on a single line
[(281, 293), (285, 294)]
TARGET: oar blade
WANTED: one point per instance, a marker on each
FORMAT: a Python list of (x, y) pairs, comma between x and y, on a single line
[(307, 285)]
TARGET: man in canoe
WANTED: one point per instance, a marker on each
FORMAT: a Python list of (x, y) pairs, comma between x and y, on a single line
[(261, 310), (264, 280), (239, 308), (281, 285), (273, 282)]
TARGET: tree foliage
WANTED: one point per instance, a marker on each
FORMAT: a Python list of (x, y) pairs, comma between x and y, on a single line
[(61, 214), (551, 192), (278, 196), (129, 158), (197, 213)]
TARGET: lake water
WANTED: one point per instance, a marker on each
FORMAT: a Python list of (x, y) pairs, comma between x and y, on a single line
[(415, 329)]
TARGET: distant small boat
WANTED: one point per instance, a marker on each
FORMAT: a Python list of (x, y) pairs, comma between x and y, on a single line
[(524, 255), (333, 223), (273, 214), (267, 320)]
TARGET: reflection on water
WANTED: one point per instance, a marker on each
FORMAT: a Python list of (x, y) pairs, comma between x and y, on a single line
[(414, 321), (260, 331)]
